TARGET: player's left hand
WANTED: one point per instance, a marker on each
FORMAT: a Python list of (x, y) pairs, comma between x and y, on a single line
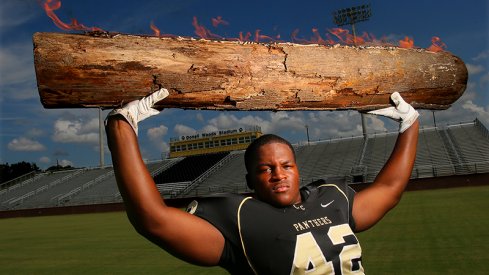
[(401, 112), (138, 110)]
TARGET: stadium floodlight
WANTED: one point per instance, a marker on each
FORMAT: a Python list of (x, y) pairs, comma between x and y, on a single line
[(351, 16)]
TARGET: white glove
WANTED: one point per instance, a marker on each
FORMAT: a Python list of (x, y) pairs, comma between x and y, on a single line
[(403, 112), (138, 110)]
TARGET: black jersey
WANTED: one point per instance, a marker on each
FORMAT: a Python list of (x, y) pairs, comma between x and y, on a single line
[(314, 236)]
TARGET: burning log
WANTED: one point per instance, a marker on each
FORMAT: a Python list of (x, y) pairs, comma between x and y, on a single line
[(106, 71)]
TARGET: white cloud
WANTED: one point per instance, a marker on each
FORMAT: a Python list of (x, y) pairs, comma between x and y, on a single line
[(77, 131), (182, 130), (286, 121), (482, 56), (25, 144), (465, 109), (456, 113), (377, 124), (335, 124), (209, 129), (290, 124), (224, 121), (274, 122), (481, 112), (157, 132), (65, 162), (156, 136), (474, 69)]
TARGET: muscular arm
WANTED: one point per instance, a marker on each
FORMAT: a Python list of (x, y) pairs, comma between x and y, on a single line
[(184, 235), (372, 203)]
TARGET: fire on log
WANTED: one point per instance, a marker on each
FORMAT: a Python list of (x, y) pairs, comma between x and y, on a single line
[(75, 70)]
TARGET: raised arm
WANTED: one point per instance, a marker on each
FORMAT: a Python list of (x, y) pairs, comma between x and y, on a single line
[(184, 235), (372, 203)]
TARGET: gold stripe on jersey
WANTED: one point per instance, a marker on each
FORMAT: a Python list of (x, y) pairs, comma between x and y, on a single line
[(241, 236)]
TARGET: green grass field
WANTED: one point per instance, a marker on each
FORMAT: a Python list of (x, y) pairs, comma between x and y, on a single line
[(430, 232)]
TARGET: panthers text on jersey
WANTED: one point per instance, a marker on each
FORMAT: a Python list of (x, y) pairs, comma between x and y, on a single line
[(313, 237)]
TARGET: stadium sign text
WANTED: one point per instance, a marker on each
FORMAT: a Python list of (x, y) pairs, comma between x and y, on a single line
[(211, 134)]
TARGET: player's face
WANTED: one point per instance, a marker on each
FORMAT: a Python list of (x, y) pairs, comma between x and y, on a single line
[(275, 176)]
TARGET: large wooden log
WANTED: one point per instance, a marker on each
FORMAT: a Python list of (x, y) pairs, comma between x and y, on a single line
[(75, 70)]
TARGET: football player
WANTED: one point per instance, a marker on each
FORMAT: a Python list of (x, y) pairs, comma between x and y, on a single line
[(282, 229)]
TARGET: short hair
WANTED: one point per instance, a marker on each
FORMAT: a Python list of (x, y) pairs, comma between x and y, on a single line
[(253, 148)]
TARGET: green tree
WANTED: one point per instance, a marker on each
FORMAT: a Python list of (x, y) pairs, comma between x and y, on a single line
[(8, 172)]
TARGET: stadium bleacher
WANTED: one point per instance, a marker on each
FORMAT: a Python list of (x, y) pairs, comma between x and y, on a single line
[(328, 158), (229, 178), (455, 149), (189, 168), (432, 152)]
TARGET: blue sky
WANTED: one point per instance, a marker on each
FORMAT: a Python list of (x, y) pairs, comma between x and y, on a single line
[(28, 132)]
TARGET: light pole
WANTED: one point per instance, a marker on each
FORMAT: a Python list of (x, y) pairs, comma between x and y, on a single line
[(351, 16), (100, 137), (434, 118), (307, 133)]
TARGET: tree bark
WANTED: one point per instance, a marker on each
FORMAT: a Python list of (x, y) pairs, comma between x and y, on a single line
[(75, 70)]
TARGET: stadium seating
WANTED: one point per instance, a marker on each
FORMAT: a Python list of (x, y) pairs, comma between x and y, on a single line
[(472, 146), (432, 158), (442, 151), (36, 187), (228, 178), (189, 168), (328, 158), (51, 195)]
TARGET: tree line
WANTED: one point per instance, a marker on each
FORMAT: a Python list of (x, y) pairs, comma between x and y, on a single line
[(15, 170)]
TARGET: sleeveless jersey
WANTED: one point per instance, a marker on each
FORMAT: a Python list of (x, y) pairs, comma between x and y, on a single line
[(313, 237)]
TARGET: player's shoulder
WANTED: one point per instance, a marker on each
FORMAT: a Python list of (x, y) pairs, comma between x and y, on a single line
[(222, 212), (327, 182), (221, 203), (337, 185)]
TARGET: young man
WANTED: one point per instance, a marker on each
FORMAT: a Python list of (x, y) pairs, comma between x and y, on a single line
[(283, 229)]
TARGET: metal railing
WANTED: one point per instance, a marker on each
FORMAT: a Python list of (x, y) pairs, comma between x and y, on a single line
[(69, 195), (20, 200)]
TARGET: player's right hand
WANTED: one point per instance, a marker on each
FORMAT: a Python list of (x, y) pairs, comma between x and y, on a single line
[(138, 110), (401, 112)]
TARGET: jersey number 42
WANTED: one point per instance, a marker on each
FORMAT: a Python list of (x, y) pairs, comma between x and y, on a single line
[(309, 259)]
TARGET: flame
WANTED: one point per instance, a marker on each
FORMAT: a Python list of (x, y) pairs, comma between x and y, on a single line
[(52, 5), (156, 31), (343, 35), (363, 39), (244, 38), (437, 45), (406, 43), (295, 39), (202, 32), (219, 21), (259, 37), (331, 37), (372, 39), (317, 37)]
